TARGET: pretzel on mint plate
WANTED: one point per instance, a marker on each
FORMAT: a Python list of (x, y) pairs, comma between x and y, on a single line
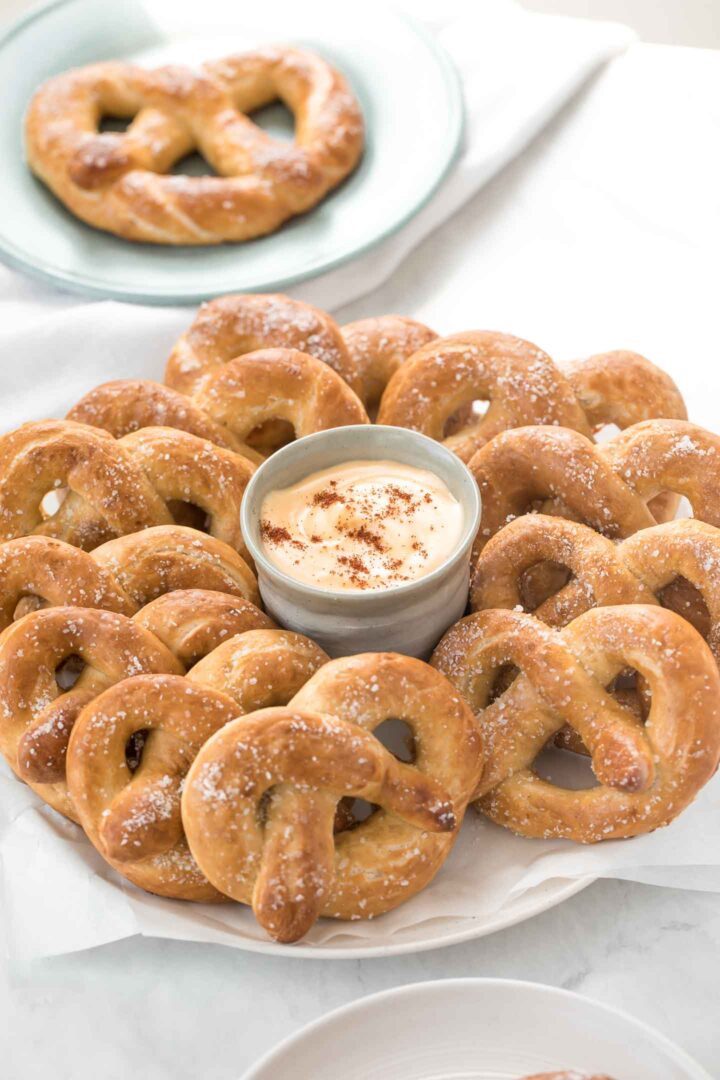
[(116, 486), (259, 801), (131, 812), (119, 182), (37, 714), (647, 773), (523, 386), (121, 575)]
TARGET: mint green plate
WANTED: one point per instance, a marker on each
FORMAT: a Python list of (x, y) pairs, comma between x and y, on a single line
[(408, 89)]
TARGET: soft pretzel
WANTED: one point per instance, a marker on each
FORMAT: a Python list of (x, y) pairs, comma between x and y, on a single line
[(126, 405), (647, 774), (639, 569), (298, 762), (266, 397), (256, 391), (116, 486), (378, 347), (231, 326), (608, 486), (132, 816), (36, 715), (522, 386), (260, 668), (120, 575), (118, 182)]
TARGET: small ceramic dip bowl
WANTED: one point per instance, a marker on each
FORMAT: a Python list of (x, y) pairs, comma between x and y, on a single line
[(408, 618)]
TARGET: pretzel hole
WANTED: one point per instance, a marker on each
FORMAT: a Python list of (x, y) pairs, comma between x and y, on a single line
[(684, 599), (276, 120), (134, 748), (193, 164), (115, 124), (571, 771), (541, 581), (68, 672), (27, 604), (270, 436), (190, 515), (467, 415), (396, 736), (52, 500), (504, 677)]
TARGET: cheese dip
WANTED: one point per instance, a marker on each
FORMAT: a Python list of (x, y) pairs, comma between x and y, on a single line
[(361, 525)]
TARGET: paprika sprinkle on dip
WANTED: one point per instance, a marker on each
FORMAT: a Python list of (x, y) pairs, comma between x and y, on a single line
[(361, 525)]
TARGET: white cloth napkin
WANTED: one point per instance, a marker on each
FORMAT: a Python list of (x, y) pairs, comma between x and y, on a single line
[(517, 70)]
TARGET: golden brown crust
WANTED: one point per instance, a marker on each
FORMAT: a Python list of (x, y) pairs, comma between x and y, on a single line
[(116, 486), (133, 817), (231, 326), (636, 570), (608, 486), (647, 774), (127, 405), (37, 714), (119, 182), (279, 385), (121, 575), (378, 347), (308, 756), (522, 386)]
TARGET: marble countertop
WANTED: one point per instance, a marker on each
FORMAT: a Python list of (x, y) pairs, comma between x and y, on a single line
[(604, 233), (166, 1009)]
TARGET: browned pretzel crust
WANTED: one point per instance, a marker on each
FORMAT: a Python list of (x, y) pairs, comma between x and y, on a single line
[(378, 347), (116, 486), (133, 816), (609, 486), (299, 761), (523, 386), (37, 716), (123, 574), (126, 405), (231, 326), (118, 182), (639, 569), (647, 773)]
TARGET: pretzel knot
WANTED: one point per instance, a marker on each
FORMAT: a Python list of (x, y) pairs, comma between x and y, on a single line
[(37, 714), (260, 798), (118, 182), (522, 386), (647, 773), (132, 813), (644, 568), (116, 486), (611, 486), (121, 575), (221, 367)]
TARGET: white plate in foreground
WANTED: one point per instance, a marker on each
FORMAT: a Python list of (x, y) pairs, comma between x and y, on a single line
[(408, 90), (475, 1029)]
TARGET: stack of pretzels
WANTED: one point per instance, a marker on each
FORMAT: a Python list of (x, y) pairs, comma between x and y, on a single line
[(210, 755)]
